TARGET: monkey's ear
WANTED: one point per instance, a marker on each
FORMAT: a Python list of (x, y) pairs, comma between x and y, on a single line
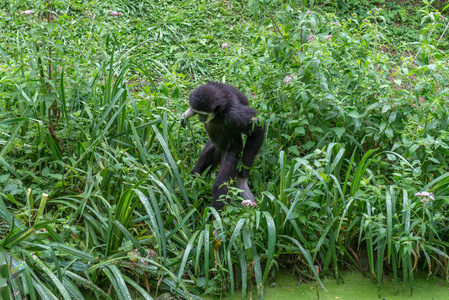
[(186, 115)]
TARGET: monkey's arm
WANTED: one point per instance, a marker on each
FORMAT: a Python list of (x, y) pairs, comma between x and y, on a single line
[(244, 118), (186, 115), (255, 137)]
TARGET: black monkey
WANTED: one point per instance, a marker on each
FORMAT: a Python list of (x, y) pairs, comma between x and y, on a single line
[(225, 113)]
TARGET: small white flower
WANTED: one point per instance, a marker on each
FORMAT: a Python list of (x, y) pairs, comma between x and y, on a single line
[(248, 203)]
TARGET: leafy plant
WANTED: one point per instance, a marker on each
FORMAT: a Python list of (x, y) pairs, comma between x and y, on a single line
[(96, 196)]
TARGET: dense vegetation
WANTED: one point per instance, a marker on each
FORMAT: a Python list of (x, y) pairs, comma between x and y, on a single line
[(96, 193)]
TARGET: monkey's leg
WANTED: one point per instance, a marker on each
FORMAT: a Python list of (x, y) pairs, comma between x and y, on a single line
[(210, 156), (228, 170)]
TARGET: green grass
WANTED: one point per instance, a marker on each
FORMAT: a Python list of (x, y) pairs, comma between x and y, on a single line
[(95, 184)]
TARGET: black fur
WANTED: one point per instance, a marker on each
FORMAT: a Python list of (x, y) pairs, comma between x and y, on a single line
[(233, 117)]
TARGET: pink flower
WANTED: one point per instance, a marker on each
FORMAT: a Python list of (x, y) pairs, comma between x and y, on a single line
[(248, 203), (225, 45), (113, 13), (288, 78), (27, 12), (425, 195), (328, 37), (120, 14), (310, 38)]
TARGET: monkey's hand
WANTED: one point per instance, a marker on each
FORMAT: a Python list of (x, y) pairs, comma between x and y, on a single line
[(186, 115)]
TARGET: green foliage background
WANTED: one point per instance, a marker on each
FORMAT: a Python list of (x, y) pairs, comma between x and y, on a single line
[(96, 192)]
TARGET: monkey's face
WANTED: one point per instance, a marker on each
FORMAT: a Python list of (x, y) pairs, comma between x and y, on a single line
[(203, 116)]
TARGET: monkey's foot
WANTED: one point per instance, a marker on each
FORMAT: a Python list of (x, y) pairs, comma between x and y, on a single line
[(242, 183)]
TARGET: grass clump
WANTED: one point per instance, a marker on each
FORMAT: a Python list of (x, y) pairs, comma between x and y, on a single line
[(95, 169)]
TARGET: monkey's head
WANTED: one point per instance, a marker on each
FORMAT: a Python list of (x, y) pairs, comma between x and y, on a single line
[(205, 103)]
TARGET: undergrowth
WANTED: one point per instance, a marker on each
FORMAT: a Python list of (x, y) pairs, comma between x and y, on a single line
[(96, 192)]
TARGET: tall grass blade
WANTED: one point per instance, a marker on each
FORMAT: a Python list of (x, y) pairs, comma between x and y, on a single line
[(189, 247), (138, 288), (258, 272), (157, 227), (235, 234), (380, 263), (87, 284), (131, 238), (172, 164), (99, 138), (435, 182), (360, 171), (9, 168), (107, 111), (142, 151), (244, 273), (406, 211), (118, 282), (63, 104), (389, 225), (199, 247), (56, 281), (138, 128), (271, 227), (206, 251)]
